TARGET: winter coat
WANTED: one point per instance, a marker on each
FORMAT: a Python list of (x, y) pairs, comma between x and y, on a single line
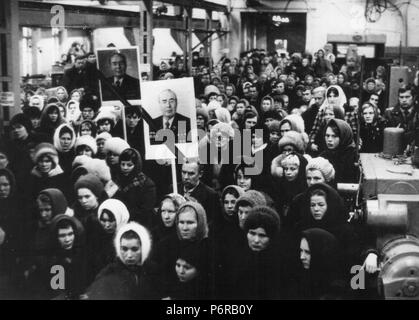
[(372, 136), (396, 118)]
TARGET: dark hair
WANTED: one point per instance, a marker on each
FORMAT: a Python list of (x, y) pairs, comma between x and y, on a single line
[(65, 130), (334, 128), (109, 213), (133, 109), (132, 155), (32, 112), (332, 90), (44, 199), (118, 54), (65, 224), (318, 192), (129, 235), (231, 191), (406, 88), (241, 167)]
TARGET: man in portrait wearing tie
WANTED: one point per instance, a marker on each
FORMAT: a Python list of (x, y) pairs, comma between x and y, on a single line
[(171, 119), (128, 87)]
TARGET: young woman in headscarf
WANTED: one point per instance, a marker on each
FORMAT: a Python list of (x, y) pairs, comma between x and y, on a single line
[(371, 129), (340, 150), (50, 120), (64, 140)]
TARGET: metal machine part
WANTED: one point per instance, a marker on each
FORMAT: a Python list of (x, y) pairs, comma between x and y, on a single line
[(399, 276)]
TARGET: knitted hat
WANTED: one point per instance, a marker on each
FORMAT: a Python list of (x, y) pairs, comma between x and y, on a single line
[(115, 145), (46, 149), (142, 233), (91, 182), (252, 197), (23, 120), (274, 126), (202, 112), (324, 166), (223, 115), (263, 217), (240, 191), (295, 139), (213, 105), (80, 161), (211, 88), (106, 113), (87, 141), (117, 208), (296, 121), (202, 228)]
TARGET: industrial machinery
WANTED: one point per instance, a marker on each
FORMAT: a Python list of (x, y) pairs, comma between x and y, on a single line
[(390, 190)]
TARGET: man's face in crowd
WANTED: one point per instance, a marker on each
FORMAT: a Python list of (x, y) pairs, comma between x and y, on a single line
[(168, 103), (406, 99), (307, 96), (88, 113), (318, 98), (19, 132), (132, 120), (190, 175), (374, 100), (79, 64), (118, 66)]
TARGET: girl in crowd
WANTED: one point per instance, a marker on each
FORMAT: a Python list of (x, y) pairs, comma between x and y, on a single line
[(340, 150), (86, 145), (371, 129), (125, 278), (105, 121), (319, 275), (113, 148), (76, 95), (112, 215), (165, 225), (50, 120), (64, 141), (191, 229), (136, 190), (87, 128)]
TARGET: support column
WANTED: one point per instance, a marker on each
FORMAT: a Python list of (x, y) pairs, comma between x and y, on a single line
[(146, 35), (187, 50), (208, 26)]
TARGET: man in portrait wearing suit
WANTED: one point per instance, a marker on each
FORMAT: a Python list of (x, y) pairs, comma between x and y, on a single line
[(128, 87), (171, 119)]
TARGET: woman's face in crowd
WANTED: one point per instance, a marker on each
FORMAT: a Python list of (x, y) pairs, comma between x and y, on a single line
[(130, 251), (314, 176), (229, 91), (100, 146), (60, 94), (232, 105), (266, 105), (65, 141), (332, 140), (85, 130), (318, 206), (5, 187), (274, 137), (200, 121), (62, 111), (290, 171), (45, 212), (328, 114), (168, 213), (257, 239), (288, 149), (53, 115), (243, 181), (368, 114), (107, 220), (113, 158), (187, 224), (285, 127), (332, 99), (220, 99), (240, 108), (75, 96), (85, 150), (66, 238), (45, 164), (242, 213), (3, 161), (305, 255), (105, 126), (126, 167), (185, 271), (229, 203), (341, 79), (371, 86), (87, 199)]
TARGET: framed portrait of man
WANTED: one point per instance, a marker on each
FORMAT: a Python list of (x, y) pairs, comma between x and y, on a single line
[(171, 105), (121, 67)]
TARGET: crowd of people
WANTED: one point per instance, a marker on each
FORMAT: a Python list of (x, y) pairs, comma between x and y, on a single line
[(75, 193)]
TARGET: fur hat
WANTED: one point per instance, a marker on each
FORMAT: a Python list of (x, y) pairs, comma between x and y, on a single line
[(142, 233), (117, 208), (296, 139), (115, 145), (86, 141), (263, 217), (252, 197), (225, 128), (323, 165), (202, 112), (296, 121), (106, 113), (213, 105), (80, 161), (91, 182), (210, 89), (223, 115), (103, 136), (45, 148), (99, 168)]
